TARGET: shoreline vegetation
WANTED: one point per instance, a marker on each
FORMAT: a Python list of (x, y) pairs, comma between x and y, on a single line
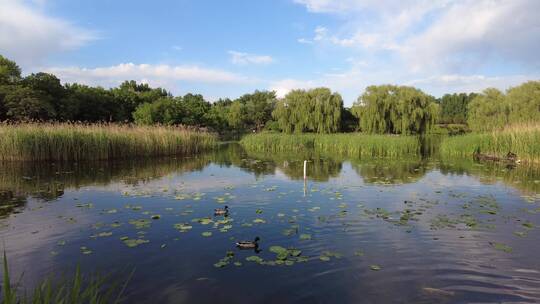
[(82, 142), (78, 288), (350, 144), (522, 139)]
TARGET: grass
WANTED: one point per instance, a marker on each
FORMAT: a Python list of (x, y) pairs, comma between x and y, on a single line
[(78, 142), (524, 140), (352, 145), (79, 289)]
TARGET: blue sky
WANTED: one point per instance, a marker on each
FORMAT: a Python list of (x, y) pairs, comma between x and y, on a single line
[(227, 48)]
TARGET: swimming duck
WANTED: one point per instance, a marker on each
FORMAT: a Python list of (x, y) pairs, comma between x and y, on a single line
[(248, 244), (219, 211)]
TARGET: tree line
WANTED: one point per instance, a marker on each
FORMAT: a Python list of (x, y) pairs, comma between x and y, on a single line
[(380, 109)]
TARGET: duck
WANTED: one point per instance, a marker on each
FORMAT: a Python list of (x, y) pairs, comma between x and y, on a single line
[(219, 211), (248, 244)]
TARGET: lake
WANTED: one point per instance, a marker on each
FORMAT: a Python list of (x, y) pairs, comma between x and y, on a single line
[(370, 230)]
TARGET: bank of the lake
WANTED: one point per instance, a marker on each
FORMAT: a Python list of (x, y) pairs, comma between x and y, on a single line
[(349, 144), (78, 142), (523, 140)]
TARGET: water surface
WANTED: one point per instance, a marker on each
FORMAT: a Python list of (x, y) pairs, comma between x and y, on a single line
[(371, 230)]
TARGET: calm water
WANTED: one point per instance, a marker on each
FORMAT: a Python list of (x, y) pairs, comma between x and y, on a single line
[(372, 231)]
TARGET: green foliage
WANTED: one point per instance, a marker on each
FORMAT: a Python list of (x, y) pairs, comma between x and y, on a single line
[(316, 110), (164, 111), (524, 140), (189, 110), (380, 110), (396, 110), (23, 103), (454, 108), (129, 95), (493, 110), (79, 289), (353, 145), (10, 73), (77, 142), (257, 109), (524, 103), (488, 111), (237, 115)]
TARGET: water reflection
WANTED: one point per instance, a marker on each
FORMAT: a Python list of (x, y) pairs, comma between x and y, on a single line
[(47, 181), (440, 230)]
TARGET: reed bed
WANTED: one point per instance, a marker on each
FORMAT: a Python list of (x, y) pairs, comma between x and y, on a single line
[(80, 142), (351, 145), (93, 289), (524, 140)]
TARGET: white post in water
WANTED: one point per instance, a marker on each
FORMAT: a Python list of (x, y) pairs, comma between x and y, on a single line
[(305, 169), (305, 177)]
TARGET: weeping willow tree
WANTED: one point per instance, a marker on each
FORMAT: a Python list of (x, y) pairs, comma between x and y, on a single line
[(316, 110), (524, 103), (488, 111), (396, 110), (493, 109)]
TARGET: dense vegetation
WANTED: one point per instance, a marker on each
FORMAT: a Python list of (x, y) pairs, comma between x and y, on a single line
[(316, 110), (396, 110), (524, 140), (353, 145), (493, 109), (76, 142), (453, 108), (384, 109), (78, 289)]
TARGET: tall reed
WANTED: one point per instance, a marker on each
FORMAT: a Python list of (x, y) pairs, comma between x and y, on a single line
[(353, 145), (524, 140), (78, 289), (78, 142)]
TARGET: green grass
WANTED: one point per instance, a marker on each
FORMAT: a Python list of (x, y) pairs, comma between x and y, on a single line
[(78, 289), (78, 142), (524, 140), (352, 145)]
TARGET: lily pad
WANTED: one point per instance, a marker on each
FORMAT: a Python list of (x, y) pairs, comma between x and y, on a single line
[(254, 258), (134, 242), (501, 247), (375, 267), (206, 234), (259, 221), (305, 237)]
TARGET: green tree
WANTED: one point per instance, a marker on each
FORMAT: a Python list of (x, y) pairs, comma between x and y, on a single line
[(258, 108), (129, 95), (10, 73), (89, 104), (396, 110), (237, 115), (524, 102), (193, 109), (23, 103), (316, 110), (217, 116), (454, 107), (163, 111), (488, 111)]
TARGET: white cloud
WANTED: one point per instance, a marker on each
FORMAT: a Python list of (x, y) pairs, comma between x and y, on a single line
[(284, 86), (28, 36), (487, 31), (305, 41), (443, 34), (177, 48), (245, 58), (161, 74)]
